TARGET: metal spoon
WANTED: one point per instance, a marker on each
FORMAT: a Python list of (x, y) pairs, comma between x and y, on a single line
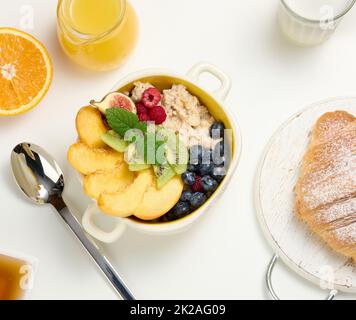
[(40, 178)]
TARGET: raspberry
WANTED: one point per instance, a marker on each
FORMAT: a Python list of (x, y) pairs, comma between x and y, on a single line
[(197, 186), (158, 115), (141, 109), (143, 117), (151, 98)]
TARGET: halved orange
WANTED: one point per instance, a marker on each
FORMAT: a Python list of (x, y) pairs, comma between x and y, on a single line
[(25, 72)]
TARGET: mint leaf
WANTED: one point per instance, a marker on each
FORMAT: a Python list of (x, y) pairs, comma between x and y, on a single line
[(141, 126), (121, 120)]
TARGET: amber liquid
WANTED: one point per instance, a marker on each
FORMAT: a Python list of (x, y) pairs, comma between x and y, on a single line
[(10, 278)]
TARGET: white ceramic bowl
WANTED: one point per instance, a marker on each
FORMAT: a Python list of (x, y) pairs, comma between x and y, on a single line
[(215, 103)]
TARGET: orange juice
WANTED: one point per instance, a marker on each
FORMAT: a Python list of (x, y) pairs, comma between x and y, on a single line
[(97, 34)]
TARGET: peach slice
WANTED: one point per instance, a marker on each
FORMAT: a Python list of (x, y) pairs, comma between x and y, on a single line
[(123, 204), (88, 160), (157, 202), (90, 127), (109, 181)]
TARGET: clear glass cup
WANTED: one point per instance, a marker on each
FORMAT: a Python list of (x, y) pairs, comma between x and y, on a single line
[(97, 34), (311, 22)]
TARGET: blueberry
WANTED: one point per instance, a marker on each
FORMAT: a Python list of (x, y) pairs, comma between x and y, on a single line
[(170, 216), (205, 169), (209, 184), (189, 178), (219, 153), (193, 167), (186, 196), (206, 156), (181, 209), (217, 130), (198, 200), (219, 173), (196, 154)]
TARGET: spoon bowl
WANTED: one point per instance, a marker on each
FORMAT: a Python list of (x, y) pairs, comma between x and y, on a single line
[(36, 173)]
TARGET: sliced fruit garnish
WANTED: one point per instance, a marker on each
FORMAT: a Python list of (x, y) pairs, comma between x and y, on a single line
[(123, 204), (109, 181), (26, 72), (115, 100), (164, 173), (88, 160), (134, 156), (114, 141), (134, 167), (178, 158), (157, 202), (90, 127), (177, 153)]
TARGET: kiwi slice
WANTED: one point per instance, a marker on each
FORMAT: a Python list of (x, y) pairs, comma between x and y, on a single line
[(138, 167), (164, 173), (113, 140), (178, 158), (177, 153)]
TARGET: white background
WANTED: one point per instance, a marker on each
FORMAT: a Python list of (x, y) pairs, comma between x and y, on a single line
[(224, 256)]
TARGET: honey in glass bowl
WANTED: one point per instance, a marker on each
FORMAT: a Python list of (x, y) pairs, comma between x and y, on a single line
[(10, 278), (97, 34)]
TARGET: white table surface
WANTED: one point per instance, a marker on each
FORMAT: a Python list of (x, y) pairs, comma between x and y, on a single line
[(224, 256)]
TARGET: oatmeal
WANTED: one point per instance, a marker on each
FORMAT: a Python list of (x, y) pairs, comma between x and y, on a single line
[(185, 114), (139, 89)]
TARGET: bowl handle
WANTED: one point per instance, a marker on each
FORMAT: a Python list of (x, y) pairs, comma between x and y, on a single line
[(270, 287), (90, 226), (203, 67)]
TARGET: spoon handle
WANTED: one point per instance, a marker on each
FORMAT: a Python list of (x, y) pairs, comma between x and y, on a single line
[(102, 262)]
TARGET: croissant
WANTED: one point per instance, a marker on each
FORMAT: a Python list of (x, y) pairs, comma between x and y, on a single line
[(325, 194)]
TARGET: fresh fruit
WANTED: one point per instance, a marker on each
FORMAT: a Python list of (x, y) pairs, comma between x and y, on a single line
[(189, 178), (157, 202), (124, 203), (206, 169), (26, 72), (158, 115), (219, 173), (217, 130), (141, 109), (115, 100), (108, 181), (197, 187), (151, 97), (218, 156), (178, 157), (88, 160), (198, 155), (198, 200), (164, 173), (138, 167), (114, 141), (135, 157), (192, 167), (186, 196), (90, 127), (143, 117), (209, 184), (181, 209)]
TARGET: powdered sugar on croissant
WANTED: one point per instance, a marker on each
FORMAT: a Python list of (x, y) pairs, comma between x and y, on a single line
[(326, 189)]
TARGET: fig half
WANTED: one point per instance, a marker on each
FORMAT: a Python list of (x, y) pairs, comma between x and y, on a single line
[(115, 100)]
